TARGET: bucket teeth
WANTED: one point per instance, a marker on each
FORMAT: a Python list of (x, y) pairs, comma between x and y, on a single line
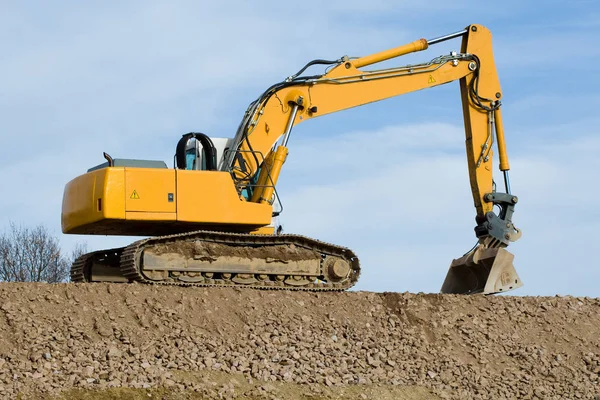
[(485, 271)]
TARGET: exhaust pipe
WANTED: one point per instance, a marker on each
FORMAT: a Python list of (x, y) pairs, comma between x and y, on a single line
[(484, 270)]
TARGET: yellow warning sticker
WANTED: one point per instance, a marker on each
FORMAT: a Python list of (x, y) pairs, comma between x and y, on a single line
[(134, 195), (431, 79)]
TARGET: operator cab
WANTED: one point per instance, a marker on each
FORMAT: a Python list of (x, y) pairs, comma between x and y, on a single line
[(197, 151)]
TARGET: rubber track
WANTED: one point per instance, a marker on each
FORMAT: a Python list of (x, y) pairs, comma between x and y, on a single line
[(78, 266), (131, 255)]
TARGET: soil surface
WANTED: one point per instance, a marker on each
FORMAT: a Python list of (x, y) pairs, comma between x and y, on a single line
[(132, 341), (195, 249)]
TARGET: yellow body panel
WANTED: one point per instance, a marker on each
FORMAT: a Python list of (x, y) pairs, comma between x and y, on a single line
[(210, 197), (93, 197), (136, 201), (150, 190)]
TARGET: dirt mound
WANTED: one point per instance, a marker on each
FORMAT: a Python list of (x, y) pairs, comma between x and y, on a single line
[(230, 343)]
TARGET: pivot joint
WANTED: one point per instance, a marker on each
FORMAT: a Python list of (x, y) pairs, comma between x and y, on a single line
[(498, 229)]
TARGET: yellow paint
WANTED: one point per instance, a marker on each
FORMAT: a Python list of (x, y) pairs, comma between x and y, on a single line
[(155, 184), (150, 216), (292, 96), (81, 195), (417, 45), (210, 197), (265, 230), (479, 42)]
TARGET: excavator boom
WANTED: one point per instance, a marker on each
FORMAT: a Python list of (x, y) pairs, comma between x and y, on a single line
[(230, 186)]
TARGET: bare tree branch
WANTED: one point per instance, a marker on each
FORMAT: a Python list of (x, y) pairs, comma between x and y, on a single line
[(80, 249), (33, 255)]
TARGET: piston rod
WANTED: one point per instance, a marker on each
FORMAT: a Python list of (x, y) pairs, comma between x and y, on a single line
[(506, 182), (447, 37), (290, 124)]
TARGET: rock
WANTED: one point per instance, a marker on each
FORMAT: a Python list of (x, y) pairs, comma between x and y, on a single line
[(114, 353)]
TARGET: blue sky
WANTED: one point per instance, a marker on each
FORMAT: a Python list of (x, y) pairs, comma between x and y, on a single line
[(130, 77)]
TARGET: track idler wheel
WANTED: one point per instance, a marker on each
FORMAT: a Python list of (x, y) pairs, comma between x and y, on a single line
[(335, 269)]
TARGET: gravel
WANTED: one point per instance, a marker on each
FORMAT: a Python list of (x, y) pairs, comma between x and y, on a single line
[(54, 338)]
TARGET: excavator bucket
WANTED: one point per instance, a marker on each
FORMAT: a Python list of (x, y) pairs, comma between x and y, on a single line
[(484, 270)]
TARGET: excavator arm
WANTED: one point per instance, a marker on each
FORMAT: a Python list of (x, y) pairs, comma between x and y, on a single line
[(260, 145)]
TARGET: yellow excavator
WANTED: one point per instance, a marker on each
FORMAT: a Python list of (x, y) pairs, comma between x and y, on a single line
[(209, 220)]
